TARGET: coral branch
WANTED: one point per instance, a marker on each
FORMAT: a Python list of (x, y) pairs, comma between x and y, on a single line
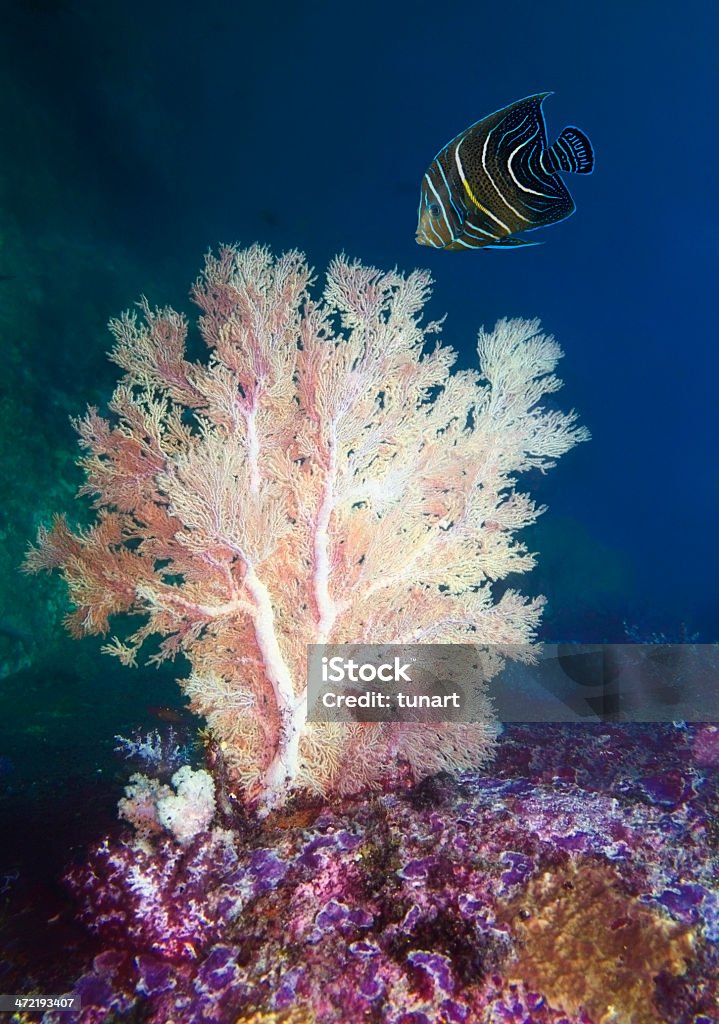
[(317, 478)]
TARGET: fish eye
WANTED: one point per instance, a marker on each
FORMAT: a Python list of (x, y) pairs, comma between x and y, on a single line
[(433, 210)]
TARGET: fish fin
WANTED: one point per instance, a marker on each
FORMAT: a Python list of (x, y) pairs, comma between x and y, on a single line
[(510, 242), (572, 152)]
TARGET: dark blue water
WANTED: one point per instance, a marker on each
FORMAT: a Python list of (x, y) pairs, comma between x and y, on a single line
[(137, 135)]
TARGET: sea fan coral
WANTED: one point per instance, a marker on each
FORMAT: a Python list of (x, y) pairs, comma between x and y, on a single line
[(319, 478)]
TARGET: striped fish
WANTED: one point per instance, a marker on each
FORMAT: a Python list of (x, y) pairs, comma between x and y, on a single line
[(498, 178)]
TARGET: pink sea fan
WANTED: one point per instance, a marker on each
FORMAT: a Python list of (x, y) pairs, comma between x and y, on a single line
[(318, 478)]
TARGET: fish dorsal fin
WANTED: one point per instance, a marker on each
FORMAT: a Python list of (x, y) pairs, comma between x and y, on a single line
[(529, 107), (572, 152)]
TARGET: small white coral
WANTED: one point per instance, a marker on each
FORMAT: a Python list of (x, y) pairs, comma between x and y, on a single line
[(191, 809), (139, 804), (151, 806)]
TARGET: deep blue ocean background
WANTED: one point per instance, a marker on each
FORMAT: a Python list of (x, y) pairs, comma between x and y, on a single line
[(135, 136)]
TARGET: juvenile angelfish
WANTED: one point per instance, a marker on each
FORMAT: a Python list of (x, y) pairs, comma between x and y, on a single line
[(499, 178)]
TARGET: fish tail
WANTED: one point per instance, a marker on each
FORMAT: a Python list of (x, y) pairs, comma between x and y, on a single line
[(572, 152)]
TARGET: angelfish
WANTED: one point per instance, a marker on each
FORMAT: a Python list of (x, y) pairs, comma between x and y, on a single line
[(499, 178)]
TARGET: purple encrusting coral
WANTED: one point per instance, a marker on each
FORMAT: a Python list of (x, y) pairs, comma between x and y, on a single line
[(575, 883)]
